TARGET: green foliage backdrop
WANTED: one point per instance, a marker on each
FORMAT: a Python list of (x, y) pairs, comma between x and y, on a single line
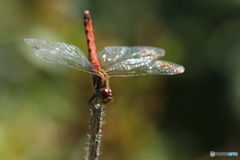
[(43, 107)]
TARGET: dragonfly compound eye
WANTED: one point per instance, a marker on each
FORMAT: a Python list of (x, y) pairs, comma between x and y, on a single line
[(107, 95)]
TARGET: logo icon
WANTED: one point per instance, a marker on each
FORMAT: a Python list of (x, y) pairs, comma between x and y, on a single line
[(212, 154)]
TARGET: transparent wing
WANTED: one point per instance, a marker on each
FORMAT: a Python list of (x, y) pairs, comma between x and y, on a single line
[(61, 53), (115, 54), (136, 61), (138, 67)]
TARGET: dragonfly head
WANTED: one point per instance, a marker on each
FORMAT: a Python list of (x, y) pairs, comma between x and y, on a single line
[(107, 95)]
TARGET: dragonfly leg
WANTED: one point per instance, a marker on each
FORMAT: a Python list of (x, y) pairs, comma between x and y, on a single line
[(90, 104)]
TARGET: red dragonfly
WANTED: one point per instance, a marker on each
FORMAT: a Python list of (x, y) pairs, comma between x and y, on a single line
[(113, 61)]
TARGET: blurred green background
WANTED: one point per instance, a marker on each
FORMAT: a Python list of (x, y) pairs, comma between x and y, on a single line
[(43, 107)]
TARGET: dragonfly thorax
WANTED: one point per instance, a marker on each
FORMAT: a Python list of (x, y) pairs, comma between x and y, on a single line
[(101, 86), (100, 80)]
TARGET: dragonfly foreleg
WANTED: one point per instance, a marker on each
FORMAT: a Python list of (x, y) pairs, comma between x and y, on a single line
[(92, 105)]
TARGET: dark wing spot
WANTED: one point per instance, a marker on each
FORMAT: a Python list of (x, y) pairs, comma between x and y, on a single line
[(36, 47)]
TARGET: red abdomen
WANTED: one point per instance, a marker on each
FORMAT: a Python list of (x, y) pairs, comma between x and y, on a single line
[(90, 40)]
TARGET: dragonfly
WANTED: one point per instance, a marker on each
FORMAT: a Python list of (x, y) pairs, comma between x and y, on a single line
[(113, 61)]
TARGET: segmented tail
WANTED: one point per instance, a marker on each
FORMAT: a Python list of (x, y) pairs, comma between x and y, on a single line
[(92, 54)]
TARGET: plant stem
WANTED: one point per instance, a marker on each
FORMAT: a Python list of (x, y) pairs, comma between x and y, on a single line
[(93, 149)]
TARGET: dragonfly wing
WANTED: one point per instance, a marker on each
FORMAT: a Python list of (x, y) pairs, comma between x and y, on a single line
[(138, 67), (115, 54), (61, 53)]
